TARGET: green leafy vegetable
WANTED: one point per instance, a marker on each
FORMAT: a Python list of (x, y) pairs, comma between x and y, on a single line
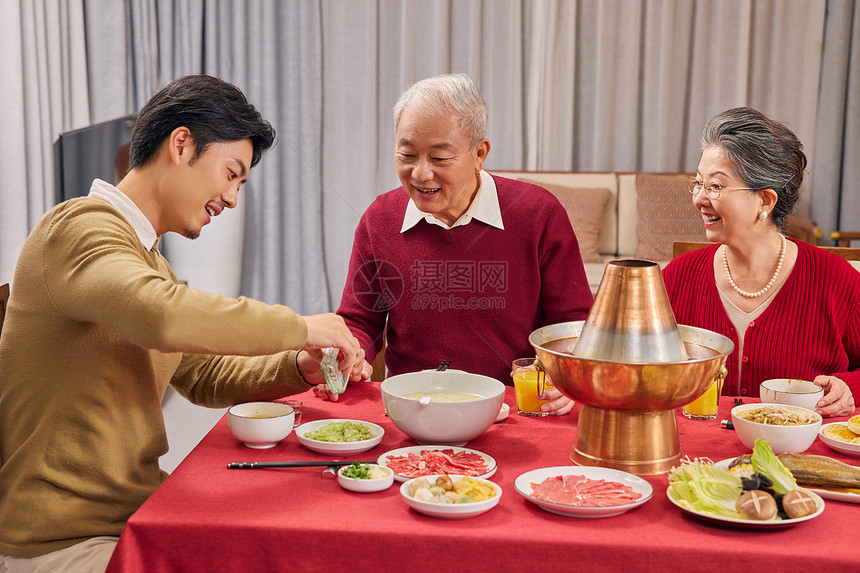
[(341, 432), (766, 462), (701, 487)]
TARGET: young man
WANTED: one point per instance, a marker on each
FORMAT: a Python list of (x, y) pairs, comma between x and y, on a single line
[(98, 326), (457, 264)]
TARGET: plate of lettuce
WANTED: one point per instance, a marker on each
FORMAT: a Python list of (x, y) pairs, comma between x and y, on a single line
[(710, 492)]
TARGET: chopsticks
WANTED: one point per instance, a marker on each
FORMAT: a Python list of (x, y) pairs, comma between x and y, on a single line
[(264, 465)]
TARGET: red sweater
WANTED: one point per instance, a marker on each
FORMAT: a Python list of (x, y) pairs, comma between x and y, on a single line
[(471, 294), (811, 327)]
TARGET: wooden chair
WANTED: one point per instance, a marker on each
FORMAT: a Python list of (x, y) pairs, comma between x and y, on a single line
[(847, 253), (379, 361), (803, 229), (378, 367), (844, 238), (4, 298), (681, 247)]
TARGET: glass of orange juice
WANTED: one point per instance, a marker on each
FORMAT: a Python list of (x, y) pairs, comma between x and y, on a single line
[(529, 387), (705, 406)]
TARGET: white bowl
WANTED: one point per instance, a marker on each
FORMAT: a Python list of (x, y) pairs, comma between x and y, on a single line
[(792, 392), (260, 424), (782, 439), (453, 423), (450, 510), (366, 485), (338, 448)]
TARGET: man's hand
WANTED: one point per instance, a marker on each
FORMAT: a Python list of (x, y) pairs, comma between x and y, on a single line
[(329, 330)]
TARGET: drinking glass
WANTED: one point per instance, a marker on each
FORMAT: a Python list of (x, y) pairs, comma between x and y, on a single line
[(705, 406), (530, 385)]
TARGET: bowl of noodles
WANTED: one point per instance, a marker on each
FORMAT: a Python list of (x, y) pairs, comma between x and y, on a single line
[(447, 407), (786, 428)]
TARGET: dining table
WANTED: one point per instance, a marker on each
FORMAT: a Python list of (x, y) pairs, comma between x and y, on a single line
[(206, 517)]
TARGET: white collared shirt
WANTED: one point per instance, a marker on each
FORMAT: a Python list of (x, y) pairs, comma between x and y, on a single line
[(484, 208), (127, 208)]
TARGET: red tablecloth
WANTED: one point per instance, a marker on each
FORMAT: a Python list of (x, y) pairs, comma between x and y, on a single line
[(206, 517)]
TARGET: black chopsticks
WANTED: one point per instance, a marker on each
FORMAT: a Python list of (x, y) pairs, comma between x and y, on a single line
[(264, 465)]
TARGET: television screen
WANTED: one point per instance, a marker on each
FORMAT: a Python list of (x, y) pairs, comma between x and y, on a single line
[(98, 151)]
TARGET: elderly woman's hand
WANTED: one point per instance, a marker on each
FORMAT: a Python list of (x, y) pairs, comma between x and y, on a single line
[(559, 404), (838, 399)]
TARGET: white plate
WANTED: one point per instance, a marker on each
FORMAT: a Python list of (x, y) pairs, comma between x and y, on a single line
[(845, 496), (383, 459), (338, 448), (451, 510), (523, 485), (846, 448), (752, 523), (503, 412)]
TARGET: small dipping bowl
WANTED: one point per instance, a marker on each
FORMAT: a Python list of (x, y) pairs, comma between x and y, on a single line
[(369, 484), (260, 425), (792, 392)]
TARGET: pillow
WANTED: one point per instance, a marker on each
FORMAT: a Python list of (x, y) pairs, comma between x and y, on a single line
[(666, 214), (585, 208)]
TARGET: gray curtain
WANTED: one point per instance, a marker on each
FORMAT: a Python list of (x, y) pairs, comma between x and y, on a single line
[(835, 168), (586, 85)]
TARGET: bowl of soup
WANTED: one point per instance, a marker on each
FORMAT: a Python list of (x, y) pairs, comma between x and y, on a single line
[(260, 425), (442, 407), (786, 428)]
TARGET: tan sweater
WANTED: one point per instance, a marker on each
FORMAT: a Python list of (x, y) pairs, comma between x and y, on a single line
[(96, 329)]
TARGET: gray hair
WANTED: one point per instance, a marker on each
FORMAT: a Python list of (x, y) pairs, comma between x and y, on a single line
[(765, 153), (448, 94)]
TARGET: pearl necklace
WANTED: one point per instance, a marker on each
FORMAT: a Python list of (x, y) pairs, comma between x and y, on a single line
[(769, 284)]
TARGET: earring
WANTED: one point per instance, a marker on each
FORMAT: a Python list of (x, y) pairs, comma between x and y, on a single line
[(763, 215)]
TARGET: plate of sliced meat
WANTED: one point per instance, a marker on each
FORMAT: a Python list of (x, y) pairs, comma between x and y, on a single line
[(580, 491), (417, 461)]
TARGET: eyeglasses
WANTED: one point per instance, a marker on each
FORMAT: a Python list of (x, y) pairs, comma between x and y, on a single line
[(712, 190)]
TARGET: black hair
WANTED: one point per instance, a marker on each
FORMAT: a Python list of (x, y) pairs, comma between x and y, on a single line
[(212, 109)]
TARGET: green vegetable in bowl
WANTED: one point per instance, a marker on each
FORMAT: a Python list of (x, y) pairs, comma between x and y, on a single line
[(357, 471), (363, 471), (341, 432)]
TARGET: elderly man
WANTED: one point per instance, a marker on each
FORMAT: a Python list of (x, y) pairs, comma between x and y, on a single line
[(98, 326), (458, 264)]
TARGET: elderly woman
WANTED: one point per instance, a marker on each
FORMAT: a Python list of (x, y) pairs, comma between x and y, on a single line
[(792, 309)]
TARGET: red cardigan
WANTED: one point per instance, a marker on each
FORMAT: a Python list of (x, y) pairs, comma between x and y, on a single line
[(471, 294), (811, 327)]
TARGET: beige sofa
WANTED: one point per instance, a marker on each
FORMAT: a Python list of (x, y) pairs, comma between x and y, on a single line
[(622, 215)]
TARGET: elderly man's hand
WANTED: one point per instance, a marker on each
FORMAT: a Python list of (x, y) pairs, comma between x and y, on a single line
[(559, 404), (838, 399)]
